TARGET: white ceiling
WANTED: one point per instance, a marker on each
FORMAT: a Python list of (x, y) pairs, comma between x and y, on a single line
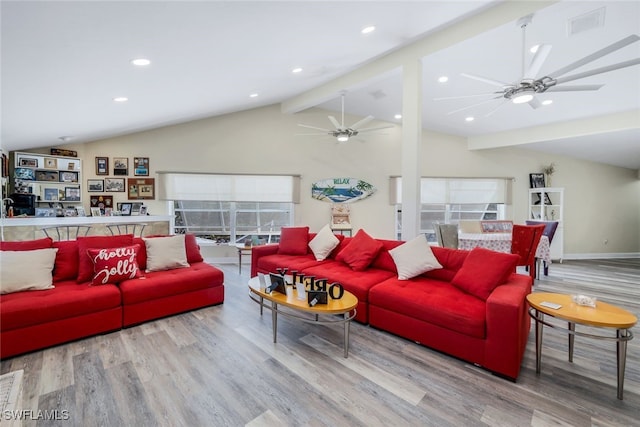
[(63, 62)]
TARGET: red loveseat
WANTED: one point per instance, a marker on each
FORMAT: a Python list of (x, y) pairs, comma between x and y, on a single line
[(74, 308), (473, 308)]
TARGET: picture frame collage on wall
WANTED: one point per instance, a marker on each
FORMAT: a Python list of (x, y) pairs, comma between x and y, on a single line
[(116, 180)]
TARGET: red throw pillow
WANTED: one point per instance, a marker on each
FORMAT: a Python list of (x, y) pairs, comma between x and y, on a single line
[(113, 265), (66, 267), (483, 270), (360, 252), (85, 265), (27, 245), (293, 240)]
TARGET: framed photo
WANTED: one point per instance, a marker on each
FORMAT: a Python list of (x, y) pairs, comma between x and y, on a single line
[(50, 163), (101, 202), (45, 212), (70, 212), (28, 162), (141, 188), (95, 185), (141, 166), (71, 166), (72, 194), (536, 180), (143, 210), (102, 166), (80, 211), (114, 184), (47, 176), (121, 166), (68, 176), (50, 194), (25, 174), (125, 209), (96, 212)]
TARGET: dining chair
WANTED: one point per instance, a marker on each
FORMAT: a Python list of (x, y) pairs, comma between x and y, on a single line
[(65, 232), (127, 228), (550, 228), (447, 235), (524, 242)]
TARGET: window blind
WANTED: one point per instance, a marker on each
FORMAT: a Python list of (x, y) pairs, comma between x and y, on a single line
[(457, 190)]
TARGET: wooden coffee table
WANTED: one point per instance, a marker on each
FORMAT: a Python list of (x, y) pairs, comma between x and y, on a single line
[(603, 315), (289, 305)]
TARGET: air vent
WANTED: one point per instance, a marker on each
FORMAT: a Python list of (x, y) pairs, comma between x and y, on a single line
[(586, 22)]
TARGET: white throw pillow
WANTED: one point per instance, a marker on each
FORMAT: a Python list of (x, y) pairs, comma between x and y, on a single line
[(166, 253), (413, 258), (26, 270), (323, 243)]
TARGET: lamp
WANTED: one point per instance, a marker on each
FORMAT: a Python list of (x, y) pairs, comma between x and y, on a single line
[(522, 98), (343, 137)]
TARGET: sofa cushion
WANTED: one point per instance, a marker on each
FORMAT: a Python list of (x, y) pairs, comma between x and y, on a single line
[(413, 258), (483, 270), (85, 265), (27, 245), (190, 245), (432, 301), (113, 265), (67, 300), (271, 263), (26, 270), (160, 284), (166, 253), (293, 240), (384, 260), (323, 243), (451, 261), (66, 267), (360, 252)]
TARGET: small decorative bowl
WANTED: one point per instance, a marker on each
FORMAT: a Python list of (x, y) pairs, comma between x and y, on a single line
[(584, 300)]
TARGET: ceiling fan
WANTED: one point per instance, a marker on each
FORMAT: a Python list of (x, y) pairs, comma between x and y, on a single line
[(341, 132), (524, 90)]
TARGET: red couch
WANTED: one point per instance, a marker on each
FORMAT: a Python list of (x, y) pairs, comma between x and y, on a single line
[(73, 309), (450, 309)]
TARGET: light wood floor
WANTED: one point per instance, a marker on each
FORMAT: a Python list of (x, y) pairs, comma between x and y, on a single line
[(218, 367)]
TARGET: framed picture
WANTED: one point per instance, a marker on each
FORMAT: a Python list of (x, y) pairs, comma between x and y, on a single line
[(50, 163), (101, 202), (68, 176), (70, 212), (45, 212), (141, 188), (143, 210), (120, 166), (536, 180), (72, 194), (47, 176), (102, 166), (125, 209), (96, 212), (114, 184), (71, 166), (80, 211), (28, 162), (50, 194), (95, 185), (141, 166), (25, 174)]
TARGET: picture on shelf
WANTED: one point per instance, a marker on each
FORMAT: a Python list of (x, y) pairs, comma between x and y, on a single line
[(80, 211), (68, 176), (46, 176), (50, 163), (50, 194), (125, 209), (72, 194), (45, 212), (25, 174), (536, 180), (96, 212), (28, 162)]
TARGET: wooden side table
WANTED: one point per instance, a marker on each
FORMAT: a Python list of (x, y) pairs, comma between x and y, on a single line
[(242, 250)]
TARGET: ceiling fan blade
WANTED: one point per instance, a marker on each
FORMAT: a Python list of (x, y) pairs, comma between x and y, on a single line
[(465, 96), (315, 133), (485, 80), (537, 61), (573, 88), (359, 123), (372, 129), (314, 127), (503, 103), (600, 70), (335, 122), (595, 55), (473, 105), (535, 103)]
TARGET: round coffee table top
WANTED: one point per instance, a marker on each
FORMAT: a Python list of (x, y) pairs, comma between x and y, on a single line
[(602, 315)]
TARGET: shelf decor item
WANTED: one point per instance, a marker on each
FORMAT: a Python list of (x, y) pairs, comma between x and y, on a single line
[(536, 180), (72, 194), (50, 163), (28, 162), (102, 166), (68, 176), (25, 174)]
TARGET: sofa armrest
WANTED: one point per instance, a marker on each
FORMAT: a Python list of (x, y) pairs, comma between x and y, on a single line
[(508, 325), (260, 251)]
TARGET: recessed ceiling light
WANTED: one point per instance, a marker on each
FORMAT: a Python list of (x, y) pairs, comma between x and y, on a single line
[(369, 29), (547, 102), (253, 95), (470, 119), (443, 79), (120, 99), (297, 70), (397, 116), (65, 138), (141, 62)]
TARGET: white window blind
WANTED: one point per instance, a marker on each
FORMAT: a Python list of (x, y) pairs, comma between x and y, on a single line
[(228, 188), (457, 190)]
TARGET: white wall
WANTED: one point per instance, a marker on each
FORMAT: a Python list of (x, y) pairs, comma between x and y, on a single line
[(601, 202)]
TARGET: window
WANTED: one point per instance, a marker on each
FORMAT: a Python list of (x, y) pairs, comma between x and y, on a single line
[(230, 208), (451, 200)]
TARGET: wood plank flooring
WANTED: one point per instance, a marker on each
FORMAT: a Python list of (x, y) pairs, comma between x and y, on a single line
[(218, 367)]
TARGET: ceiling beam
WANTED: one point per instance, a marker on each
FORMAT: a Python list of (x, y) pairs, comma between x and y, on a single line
[(627, 120), (465, 28)]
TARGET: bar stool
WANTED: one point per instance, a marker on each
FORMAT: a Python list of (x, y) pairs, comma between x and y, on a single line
[(66, 232), (129, 228)]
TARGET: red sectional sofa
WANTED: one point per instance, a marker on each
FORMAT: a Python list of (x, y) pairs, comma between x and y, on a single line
[(75, 308), (473, 308)]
